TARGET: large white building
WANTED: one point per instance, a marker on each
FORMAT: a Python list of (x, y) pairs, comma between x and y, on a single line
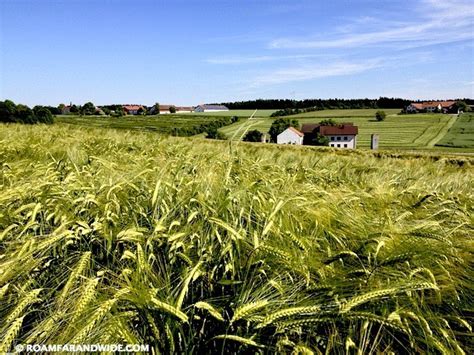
[(343, 135), (210, 108), (290, 136)]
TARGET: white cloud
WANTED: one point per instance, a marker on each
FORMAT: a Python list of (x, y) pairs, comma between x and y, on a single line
[(340, 67), (315, 71), (434, 22), (258, 59)]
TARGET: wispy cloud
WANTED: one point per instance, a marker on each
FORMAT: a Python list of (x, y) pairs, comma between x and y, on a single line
[(258, 59), (337, 68), (309, 72), (437, 22)]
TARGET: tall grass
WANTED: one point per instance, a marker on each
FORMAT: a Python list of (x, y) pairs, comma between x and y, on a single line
[(110, 237)]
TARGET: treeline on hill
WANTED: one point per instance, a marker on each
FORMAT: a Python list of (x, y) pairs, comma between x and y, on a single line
[(11, 112), (318, 104)]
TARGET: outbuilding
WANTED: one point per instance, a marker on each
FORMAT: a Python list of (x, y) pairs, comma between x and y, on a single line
[(290, 136)]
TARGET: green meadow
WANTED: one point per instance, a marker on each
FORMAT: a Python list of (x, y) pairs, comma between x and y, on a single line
[(460, 134), (397, 131)]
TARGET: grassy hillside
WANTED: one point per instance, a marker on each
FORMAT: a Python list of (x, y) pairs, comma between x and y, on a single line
[(239, 113), (397, 131), (195, 245), (461, 134), (157, 123)]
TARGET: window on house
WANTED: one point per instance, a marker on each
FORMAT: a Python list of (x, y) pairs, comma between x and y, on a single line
[(345, 138), (338, 138), (345, 145), (332, 138), (339, 146)]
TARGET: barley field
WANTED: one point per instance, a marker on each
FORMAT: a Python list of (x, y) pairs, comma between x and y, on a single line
[(196, 246)]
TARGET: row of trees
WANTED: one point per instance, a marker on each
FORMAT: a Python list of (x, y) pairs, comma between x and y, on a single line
[(11, 112), (318, 104)]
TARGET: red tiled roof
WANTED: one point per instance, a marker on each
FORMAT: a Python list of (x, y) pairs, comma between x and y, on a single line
[(132, 107), (425, 104), (338, 130), (296, 131), (342, 129)]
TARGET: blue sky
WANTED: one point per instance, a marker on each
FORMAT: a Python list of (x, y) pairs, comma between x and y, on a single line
[(191, 52)]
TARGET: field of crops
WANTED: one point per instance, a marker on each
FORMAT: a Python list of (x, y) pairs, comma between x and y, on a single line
[(397, 131), (461, 134), (199, 246), (239, 113), (157, 123)]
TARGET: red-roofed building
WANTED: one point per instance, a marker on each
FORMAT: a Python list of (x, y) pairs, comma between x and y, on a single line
[(343, 135), (432, 106), (132, 109)]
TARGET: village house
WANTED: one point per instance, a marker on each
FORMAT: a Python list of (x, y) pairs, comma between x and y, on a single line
[(132, 109), (290, 136), (432, 106), (343, 135), (210, 108), (165, 109)]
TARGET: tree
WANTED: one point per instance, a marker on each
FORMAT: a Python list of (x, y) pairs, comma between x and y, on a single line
[(328, 122), (25, 114), (74, 109), (106, 110), (380, 115), (7, 111), (156, 108), (61, 107), (88, 109), (213, 133), (462, 106), (172, 109), (43, 115), (319, 139), (253, 136), (279, 125), (141, 111), (119, 111)]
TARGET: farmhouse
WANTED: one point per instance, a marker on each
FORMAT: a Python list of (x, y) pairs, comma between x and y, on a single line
[(210, 108), (290, 136), (66, 110), (432, 106), (132, 109), (343, 135)]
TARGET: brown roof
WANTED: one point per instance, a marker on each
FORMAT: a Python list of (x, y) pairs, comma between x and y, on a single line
[(425, 104), (296, 131), (309, 127), (338, 130), (342, 129), (132, 107)]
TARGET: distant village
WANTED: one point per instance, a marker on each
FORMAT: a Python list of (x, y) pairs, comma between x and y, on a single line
[(134, 109), (336, 135)]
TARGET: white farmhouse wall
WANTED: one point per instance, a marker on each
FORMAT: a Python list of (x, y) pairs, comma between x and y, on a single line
[(289, 137), (344, 142)]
